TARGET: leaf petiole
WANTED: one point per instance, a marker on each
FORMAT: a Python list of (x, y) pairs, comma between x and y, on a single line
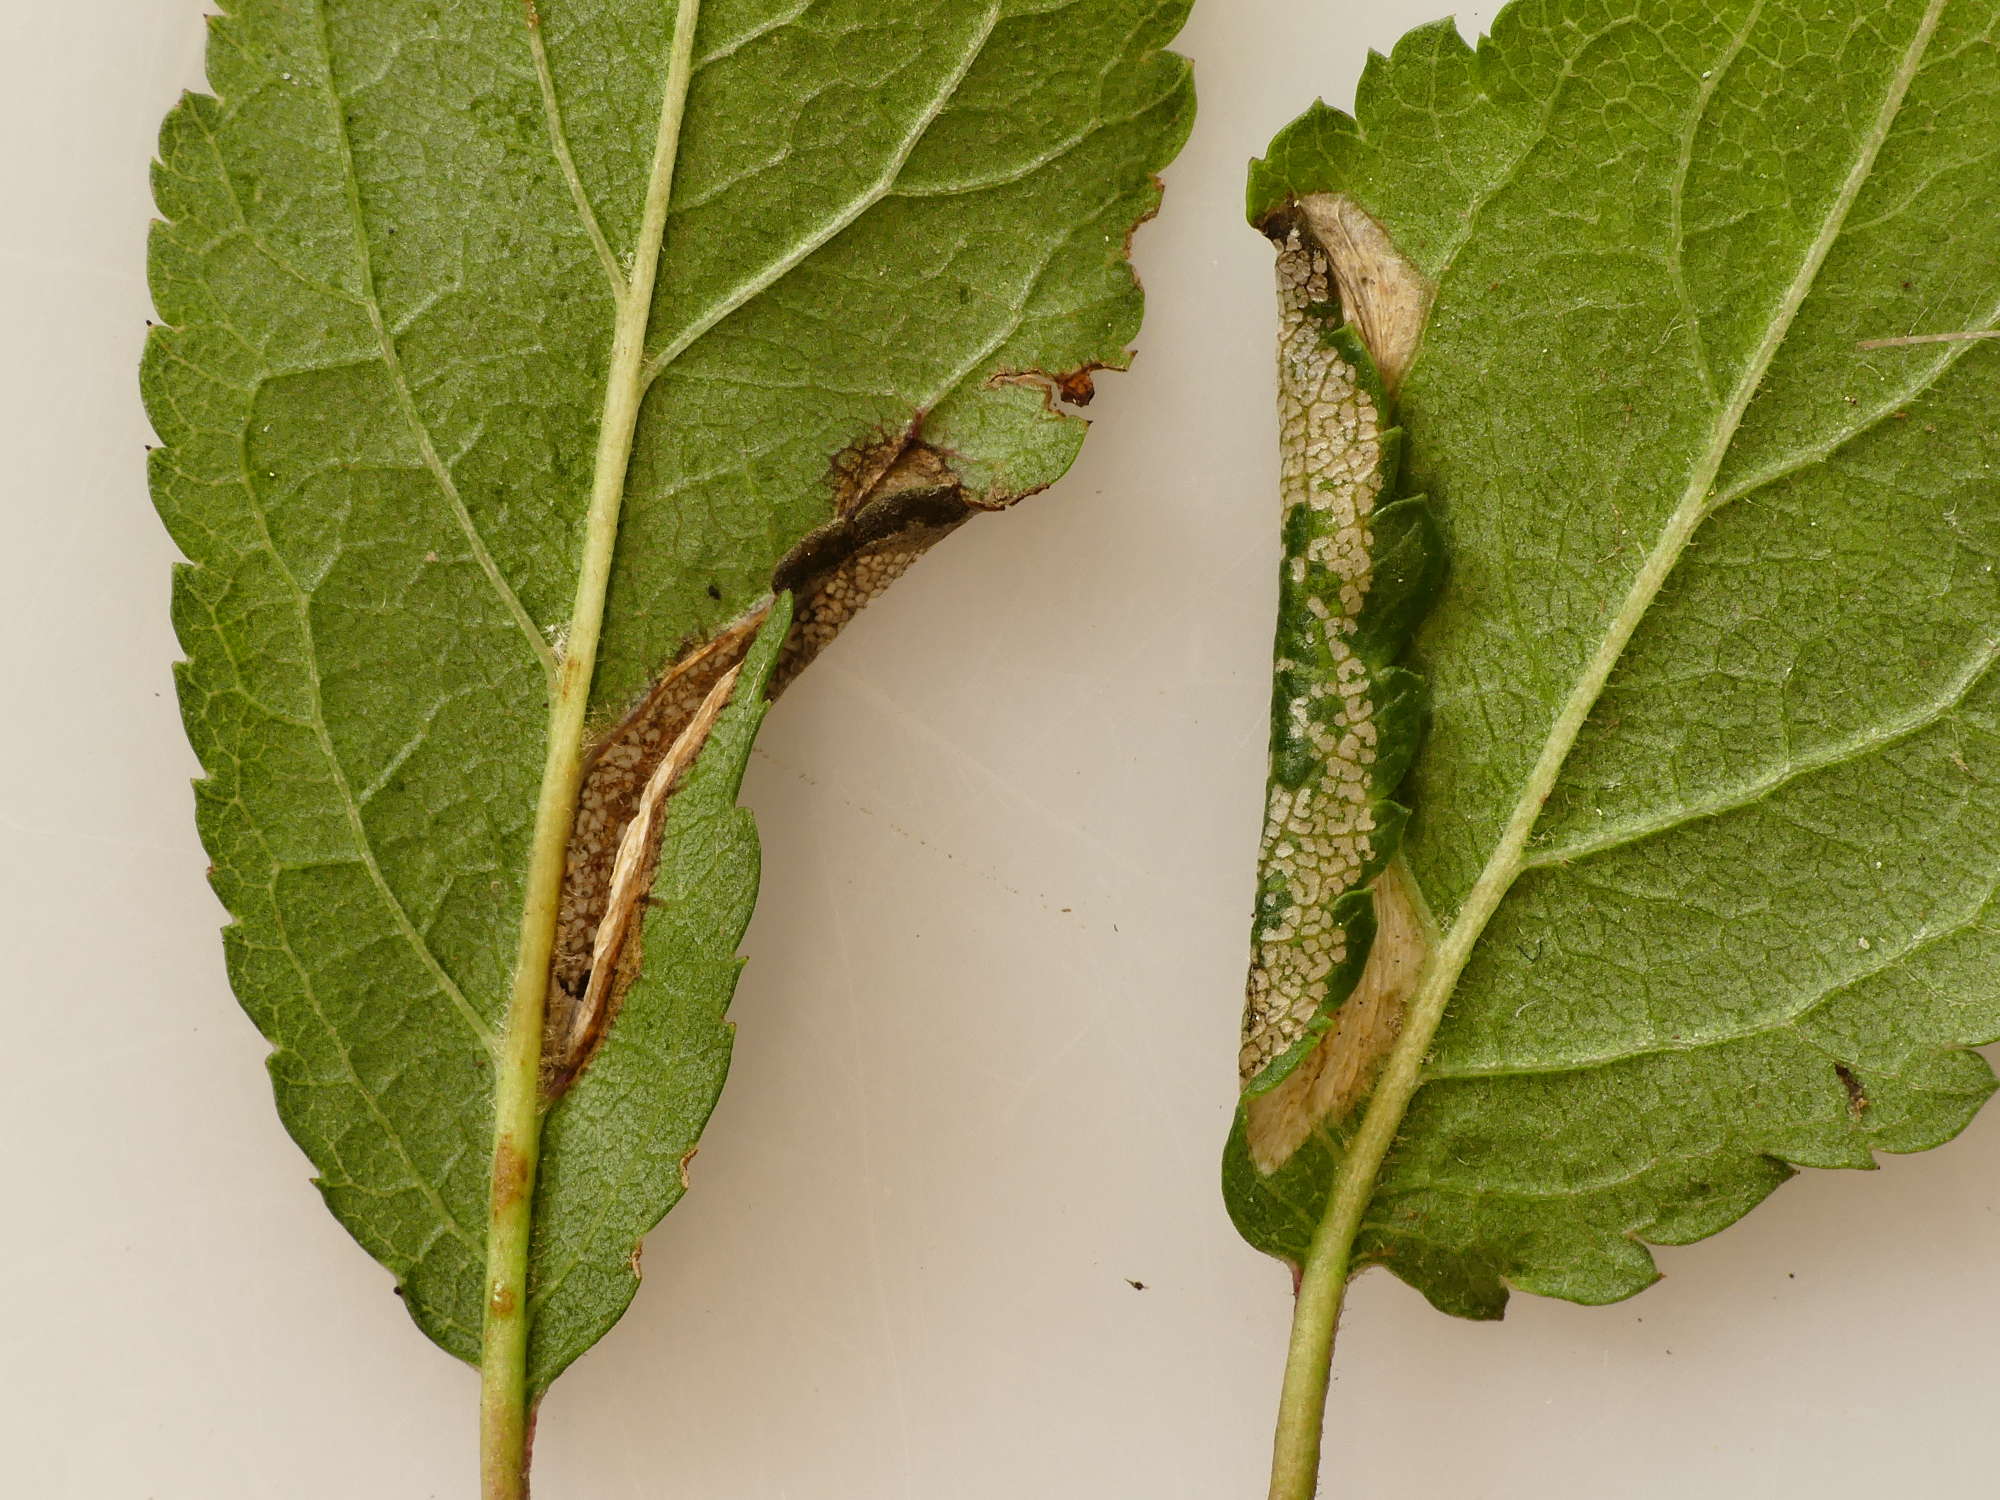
[(1329, 1264), (1309, 1364)]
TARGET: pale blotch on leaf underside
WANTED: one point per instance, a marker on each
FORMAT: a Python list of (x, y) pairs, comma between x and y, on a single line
[(1328, 959), (1317, 836)]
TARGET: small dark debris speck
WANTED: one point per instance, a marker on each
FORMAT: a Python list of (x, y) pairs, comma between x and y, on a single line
[(1137, 1286)]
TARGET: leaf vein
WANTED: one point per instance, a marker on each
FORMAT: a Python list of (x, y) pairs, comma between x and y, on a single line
[(1539, 133), (1629, 831), (392, 362), (774, 271), (1711, 82), (756, 33), (614, 274), (364, 847), (1918, 943), (446, 1219), (1867, 422)]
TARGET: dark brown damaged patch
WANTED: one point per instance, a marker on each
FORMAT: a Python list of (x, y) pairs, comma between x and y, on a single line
[(895, 496), (1857, 1095), (894, 499), (1070, 387)]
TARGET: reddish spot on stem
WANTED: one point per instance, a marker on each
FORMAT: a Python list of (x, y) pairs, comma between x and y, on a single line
[(510, 1174)]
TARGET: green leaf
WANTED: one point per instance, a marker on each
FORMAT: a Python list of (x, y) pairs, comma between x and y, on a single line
[(1705, 827), (514, 355)]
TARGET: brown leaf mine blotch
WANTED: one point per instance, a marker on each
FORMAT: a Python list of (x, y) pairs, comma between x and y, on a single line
[(1383, 294), (631, 878), (1857, 1095), (616, 775), (895, 496)]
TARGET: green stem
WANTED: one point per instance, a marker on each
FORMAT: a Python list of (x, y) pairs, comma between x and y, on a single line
[(1308, 1367), (518, 1105)]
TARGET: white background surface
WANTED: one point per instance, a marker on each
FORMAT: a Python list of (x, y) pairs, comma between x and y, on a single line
[(987, 1034)]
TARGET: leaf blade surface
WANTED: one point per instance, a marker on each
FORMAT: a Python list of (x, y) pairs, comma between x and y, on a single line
[(1723, 910), (396, 242)]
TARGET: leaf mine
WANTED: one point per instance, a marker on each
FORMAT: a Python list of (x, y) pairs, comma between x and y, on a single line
[(614, 956), (894, 498), (1333, 1079), (1334, 951), (1380, 289)]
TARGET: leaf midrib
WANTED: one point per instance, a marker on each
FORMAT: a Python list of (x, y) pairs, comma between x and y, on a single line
[(518, 1111), (1404, 1072)]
